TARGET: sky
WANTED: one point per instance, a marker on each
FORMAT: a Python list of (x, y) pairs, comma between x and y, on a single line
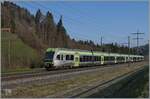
[(114, 21)]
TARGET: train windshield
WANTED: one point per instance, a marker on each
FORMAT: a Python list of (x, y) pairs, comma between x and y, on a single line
[(49, 55)]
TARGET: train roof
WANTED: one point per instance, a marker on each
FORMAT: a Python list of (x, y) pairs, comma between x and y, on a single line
[(87, 52)]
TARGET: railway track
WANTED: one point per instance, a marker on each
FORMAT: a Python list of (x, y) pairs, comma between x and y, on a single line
[(42, 77), (51, 77), (42, 72)]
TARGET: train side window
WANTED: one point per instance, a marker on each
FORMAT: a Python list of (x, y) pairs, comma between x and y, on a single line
[(58, 57), (67, 57), (99, 58), (85, 58), (112, 58), (94, 58), (88, 58), (81, 59), (109, 58), (71, 57), (106, 58)]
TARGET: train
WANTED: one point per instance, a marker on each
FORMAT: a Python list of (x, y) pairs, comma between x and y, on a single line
[(63, 57)]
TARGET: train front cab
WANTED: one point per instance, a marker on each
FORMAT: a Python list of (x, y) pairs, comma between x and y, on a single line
[(48, 59)]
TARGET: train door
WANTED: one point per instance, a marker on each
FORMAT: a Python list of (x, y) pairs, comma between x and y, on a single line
[(102, 60), (125, 59), (76, 59), (115, 59)]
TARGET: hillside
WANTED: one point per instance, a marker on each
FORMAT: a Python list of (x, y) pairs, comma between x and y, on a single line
[(21, 23), (15, 53)]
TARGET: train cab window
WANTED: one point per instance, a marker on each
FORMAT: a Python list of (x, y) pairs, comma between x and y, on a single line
[(49, 55), (58, 57)]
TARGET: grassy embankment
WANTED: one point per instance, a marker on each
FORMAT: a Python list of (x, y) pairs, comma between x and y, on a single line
[(133, 86), (16, 56), (138, 86)]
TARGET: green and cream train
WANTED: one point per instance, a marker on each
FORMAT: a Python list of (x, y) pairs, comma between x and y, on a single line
[(61, 57)]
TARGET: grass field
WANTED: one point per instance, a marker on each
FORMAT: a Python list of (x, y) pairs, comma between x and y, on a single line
[(16, 55)]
